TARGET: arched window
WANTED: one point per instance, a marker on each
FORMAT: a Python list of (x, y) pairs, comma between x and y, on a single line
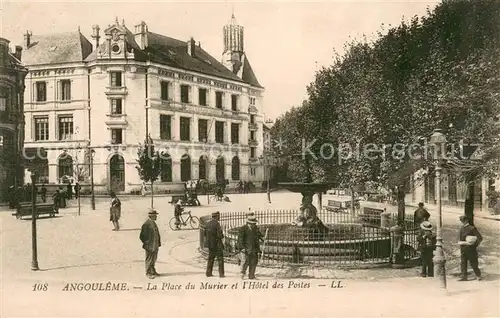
[(185, 168), (202, 168), (235, 168), (65, 164), (220, 173), (166, 167), (117, 173)]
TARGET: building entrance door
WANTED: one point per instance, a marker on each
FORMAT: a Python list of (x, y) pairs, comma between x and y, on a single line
[(117, 173)]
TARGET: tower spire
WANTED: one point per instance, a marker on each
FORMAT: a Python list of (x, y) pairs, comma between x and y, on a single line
[(233, 54), (233, 36)]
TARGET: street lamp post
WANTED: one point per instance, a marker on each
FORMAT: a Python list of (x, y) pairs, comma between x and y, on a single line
[(438, 140), (268, 166), (92, 197), (34, 253), (264, 159)]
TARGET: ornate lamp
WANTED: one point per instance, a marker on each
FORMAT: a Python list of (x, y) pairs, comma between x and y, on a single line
[(438, 141)]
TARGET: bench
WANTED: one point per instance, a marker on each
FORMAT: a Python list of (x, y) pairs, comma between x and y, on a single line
[(334, 206), (371, 215), (25, 209)]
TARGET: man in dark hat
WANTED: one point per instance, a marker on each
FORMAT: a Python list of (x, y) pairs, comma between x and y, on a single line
[(215, 245), (469, 240), (151, 242), (249, 239), (421, 214)]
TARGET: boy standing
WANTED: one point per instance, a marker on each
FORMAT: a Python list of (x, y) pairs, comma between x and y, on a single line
[(427, 245)]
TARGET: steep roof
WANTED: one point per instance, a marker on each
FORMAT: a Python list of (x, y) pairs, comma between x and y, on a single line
[(173, 52), (74, 47), (248, 74), (57, 48)]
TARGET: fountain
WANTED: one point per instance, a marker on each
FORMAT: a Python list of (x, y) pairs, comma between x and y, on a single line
[(310, 235)]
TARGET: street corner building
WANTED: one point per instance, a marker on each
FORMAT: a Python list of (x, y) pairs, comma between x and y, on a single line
[(96, 100), (12, 75)]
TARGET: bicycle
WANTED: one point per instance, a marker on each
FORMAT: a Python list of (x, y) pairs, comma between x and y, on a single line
[(193, 221)]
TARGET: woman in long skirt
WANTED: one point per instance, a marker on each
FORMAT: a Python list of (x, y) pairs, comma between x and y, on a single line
[(115, 211)]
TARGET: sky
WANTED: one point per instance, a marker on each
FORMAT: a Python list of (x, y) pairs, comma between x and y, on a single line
[(285, 41)]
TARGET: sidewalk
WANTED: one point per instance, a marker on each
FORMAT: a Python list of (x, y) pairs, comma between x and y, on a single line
[(459, 210)]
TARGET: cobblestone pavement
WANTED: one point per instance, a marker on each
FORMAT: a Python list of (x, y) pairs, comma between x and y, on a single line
[(82, 248)]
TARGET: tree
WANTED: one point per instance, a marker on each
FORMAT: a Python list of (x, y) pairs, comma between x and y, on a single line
[(438, 71), (149, 164), (81, 170)]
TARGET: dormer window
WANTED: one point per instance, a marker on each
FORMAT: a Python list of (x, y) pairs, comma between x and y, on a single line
[(116, 79)]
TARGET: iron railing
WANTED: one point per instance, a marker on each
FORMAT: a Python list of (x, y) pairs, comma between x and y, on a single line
[(352, 239)]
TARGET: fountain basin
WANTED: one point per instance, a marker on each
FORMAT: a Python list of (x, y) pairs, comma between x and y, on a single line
[(348, 241), (289, 243)]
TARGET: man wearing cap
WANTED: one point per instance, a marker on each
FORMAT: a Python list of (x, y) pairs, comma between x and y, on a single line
[(427, 244), (150, 238), (215, 245), (249, 239), (469, 240)]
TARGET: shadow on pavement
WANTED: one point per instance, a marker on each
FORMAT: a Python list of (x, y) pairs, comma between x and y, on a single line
[(41, 217), (85, 265), (186, 273), (490, 277)]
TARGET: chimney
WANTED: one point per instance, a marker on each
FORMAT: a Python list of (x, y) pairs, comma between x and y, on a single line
[(18, 52), (27, 39), (191, 45), (141, 35), (95, 34)]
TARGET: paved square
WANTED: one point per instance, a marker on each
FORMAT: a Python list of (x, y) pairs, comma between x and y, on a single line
[(83, 249)]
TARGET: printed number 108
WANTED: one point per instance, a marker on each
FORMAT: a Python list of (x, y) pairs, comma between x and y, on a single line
[(40, 287)]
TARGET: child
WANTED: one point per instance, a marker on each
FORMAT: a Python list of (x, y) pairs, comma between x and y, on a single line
[(427, 244)]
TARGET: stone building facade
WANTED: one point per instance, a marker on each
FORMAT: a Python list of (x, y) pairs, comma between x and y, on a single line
[(12, 75), (103, 98)]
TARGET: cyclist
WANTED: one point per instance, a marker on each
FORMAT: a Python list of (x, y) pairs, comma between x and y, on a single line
[(177, 213)]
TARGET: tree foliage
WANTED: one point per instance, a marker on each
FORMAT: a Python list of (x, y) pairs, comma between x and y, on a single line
[(437, 71), (148, 163)]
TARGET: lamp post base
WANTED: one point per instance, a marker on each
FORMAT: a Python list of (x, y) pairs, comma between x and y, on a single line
[(439, 268), (34, 266)]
